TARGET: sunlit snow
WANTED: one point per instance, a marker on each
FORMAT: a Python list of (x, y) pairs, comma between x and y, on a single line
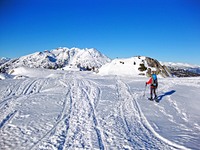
[(44, 109)]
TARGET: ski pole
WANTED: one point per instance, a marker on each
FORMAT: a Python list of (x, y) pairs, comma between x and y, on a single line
[(144, 90)]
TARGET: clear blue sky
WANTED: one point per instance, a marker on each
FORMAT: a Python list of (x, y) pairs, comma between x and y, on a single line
[(168, 30)]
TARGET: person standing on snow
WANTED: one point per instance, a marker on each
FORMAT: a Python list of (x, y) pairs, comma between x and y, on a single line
[(153, 85)]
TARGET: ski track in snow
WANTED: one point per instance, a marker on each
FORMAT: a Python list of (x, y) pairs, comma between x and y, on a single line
[(9, 108), (77, 112), (149, 139), (176, 115)]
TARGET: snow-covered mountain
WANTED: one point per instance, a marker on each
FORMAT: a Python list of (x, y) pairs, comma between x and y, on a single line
[(3, 60), (87, 59), (81, 57), (139, 65), (60, 58), (183, 69)]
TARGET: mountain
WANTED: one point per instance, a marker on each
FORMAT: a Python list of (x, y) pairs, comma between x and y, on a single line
[(91, 59), (183, 69), (138, 65), (60, 58), (3, 60)]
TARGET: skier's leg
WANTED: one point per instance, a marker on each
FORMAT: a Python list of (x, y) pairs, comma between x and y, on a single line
[(155, 93), (151, 92)]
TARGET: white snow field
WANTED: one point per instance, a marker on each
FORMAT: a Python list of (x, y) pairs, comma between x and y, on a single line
[(66, 110)]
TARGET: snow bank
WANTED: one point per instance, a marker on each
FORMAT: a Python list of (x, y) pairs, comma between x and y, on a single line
[(30, 72)]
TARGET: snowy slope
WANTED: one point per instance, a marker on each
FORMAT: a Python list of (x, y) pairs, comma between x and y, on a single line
[(70, 110), (131, 67), (125, 67), (39, 59)]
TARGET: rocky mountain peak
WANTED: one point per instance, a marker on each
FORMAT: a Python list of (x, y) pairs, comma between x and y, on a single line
[(60, 58)]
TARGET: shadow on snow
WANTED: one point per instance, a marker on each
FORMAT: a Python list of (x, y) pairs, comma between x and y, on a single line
[(160, 97)]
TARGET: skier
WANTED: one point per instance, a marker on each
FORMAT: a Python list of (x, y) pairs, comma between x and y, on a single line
[(153, 85)]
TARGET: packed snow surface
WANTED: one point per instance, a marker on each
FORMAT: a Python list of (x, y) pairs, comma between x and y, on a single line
[(70, 110)]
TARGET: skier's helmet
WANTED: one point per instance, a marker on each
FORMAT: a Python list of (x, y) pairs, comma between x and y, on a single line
[(153, 71)]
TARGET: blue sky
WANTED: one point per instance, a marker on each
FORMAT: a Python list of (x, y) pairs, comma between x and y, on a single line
[(168, 30)]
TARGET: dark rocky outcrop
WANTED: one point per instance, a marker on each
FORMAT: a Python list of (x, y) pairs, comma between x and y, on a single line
[(160, 69)]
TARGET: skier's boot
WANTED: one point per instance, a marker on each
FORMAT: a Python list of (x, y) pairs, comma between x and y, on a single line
[(156, 98), (151, 99)]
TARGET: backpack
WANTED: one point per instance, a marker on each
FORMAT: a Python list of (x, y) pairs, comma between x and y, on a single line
[(154, 81)]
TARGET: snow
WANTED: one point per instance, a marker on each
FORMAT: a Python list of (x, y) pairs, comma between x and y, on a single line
[(183, 66), (60, 109), (180, 65), (5, 76), (60, 58), (122, 67), (126, 67), (31, 72), (3, 60), (2, 76)]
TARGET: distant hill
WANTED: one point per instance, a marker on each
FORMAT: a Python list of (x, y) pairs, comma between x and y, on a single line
[(183, 69), (135, 66)]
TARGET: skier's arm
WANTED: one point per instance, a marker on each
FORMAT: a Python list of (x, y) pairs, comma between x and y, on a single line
[(149, 82)]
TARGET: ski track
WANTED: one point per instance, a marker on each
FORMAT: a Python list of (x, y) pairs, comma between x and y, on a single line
[(62, 120), (144, 136), (9, 107), (82, 121), (136, 136), (7, 118), (92, 101), (175, 110), (78, 123)]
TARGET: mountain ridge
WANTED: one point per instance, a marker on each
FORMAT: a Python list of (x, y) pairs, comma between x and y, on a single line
[(92, 59), (59, 58)]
